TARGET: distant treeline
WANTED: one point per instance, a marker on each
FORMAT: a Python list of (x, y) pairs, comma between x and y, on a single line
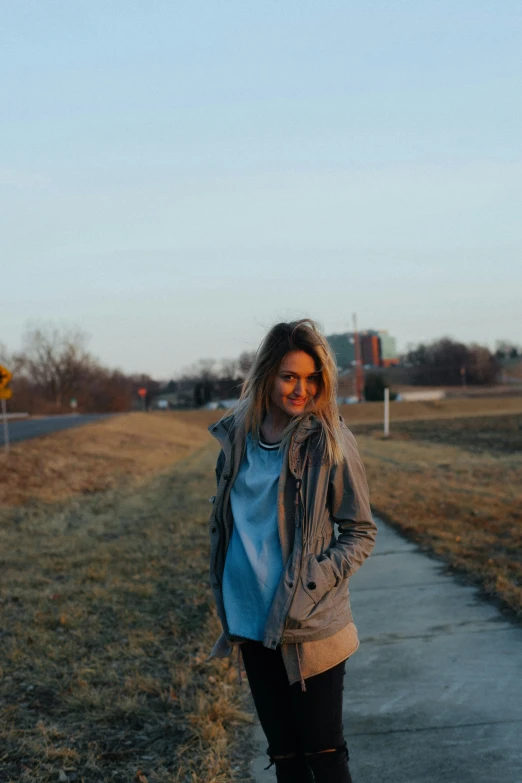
[(54, 373), (54, 368), (446, 362), (209, 380)]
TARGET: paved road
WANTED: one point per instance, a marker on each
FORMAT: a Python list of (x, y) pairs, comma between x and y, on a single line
[(434, 694), (34, 428)]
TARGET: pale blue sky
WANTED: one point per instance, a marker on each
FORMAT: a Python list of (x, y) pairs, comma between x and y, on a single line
[(176, 177)]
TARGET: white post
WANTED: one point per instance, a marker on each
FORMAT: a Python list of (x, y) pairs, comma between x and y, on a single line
[(6, 427), (386, 412)]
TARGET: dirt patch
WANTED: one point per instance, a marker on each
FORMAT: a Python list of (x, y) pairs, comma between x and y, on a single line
[(499, 434), (107, 620), (373, 412), (97, 456)]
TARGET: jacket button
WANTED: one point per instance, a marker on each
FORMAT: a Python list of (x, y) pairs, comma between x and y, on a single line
[(214, 529), (311, 585), (215, 584), (225, 475), (290, 584)]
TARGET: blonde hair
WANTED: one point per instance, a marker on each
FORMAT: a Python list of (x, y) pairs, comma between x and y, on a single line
[(254, 402)]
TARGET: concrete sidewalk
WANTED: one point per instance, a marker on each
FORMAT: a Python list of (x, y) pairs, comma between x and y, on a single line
[(434, 694)]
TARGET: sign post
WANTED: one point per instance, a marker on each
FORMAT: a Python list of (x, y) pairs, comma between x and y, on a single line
[(6, 427), (386, 412), (5, 394), (142, 392)]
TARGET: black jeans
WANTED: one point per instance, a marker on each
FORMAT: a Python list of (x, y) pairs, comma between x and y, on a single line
[(299, 724)]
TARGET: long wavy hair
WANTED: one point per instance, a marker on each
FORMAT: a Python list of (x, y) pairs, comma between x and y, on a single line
[(254, 402)]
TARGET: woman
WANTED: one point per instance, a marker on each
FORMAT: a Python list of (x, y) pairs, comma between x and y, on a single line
[(288, 470)]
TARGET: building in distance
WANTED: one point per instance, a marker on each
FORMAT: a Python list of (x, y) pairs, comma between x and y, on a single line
[(378, 348)]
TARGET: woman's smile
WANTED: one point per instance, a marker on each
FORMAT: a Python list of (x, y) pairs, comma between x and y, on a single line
[(297, 374)]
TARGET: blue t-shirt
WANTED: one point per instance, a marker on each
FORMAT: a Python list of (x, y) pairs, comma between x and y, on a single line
[(254, 561)]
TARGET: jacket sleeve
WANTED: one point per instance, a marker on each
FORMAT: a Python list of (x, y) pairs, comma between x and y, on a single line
[(350, 508)]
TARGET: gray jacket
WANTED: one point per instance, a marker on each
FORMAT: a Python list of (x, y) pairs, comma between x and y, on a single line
[(312, 599)]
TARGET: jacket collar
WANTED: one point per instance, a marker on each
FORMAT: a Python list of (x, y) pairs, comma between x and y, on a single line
[(223, 431)]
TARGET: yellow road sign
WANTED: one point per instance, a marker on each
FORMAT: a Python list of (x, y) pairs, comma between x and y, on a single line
[(6, 394), (5, 376)]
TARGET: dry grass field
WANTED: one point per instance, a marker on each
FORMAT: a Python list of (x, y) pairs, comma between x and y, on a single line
[(494, 434), (455, 487), (372, 412), (95, 457), (106, 612)]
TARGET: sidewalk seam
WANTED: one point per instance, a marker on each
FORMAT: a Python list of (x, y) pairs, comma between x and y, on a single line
[(434, 728)]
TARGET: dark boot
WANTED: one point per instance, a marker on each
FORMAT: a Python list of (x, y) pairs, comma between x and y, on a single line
[(331, 767), (292, 770)]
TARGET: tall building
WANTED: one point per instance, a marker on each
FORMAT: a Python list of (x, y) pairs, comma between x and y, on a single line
[(370, 349), (343, 345), (378, 348), (388, 349)]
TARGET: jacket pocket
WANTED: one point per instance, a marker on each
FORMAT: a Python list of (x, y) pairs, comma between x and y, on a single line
[(315, 579), (311, 606)]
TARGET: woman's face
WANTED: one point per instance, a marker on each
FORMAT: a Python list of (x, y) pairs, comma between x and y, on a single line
[(296, 383)]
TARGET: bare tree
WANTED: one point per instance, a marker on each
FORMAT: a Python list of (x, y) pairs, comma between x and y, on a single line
[(483, 366), (246, 360), (56, 360), (202, 370), (206, 369), (107, 390), (230, 368), (446, 362), (5, 357)]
